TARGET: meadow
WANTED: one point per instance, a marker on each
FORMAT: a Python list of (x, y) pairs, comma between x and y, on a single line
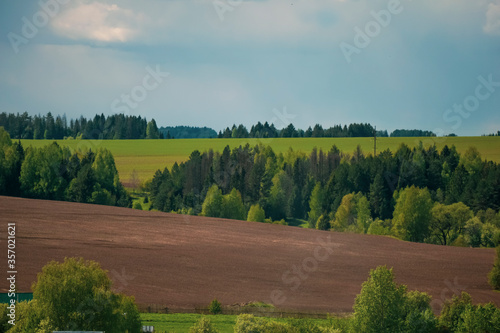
[(181, 322), (147, 156)]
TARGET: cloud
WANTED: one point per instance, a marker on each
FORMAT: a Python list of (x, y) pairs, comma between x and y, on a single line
[(492, 26), (97, 22)]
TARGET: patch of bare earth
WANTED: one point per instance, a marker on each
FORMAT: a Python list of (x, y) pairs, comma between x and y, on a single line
[(185, 261)]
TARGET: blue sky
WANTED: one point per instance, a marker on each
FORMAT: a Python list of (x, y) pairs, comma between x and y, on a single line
[(432, 65)]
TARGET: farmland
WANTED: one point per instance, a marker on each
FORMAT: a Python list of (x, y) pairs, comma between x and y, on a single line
[(147, 156), (184, 262)]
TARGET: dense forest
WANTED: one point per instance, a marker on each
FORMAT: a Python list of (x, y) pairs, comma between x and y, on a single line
[(267, 130), (419, 194), (187, 132), (119, 126), (54, 173)]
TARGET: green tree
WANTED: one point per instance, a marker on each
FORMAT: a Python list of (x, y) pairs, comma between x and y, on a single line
[(215, 307), (42, 172), (212, 205), (76, 295), (280, 191), (473, 232), (471, 160), (494, 275), (451, 313), (256, 214), (480, 318), (412, 214), (353, 214), (380, 307), (152, 130), (316, 204), (203, 325), (448, 221), (232, 206)]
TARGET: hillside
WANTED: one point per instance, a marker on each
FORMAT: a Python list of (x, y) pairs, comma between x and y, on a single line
[(184, 261), (147, 156)]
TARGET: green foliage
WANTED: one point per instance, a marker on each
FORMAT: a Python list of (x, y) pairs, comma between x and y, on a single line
[(215, 307), (247, 323), (353, 214), (448, 221), (256, 214), (323, 223), (152, 130), (451, 314), (76, 294), (419, 315), (379, 227), (138, 206), (412, 214), (316, 204), (212, 205), (380, 307), (480, 318), (494, 275), (203, 326), (473, 232), (232, 206)]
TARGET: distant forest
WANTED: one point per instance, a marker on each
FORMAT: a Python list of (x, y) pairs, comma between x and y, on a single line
[(120, 126), (418, 194)]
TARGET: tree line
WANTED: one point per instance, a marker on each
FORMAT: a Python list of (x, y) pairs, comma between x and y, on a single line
[(118, 126), (267, 130), (54, 173), (418, 194)]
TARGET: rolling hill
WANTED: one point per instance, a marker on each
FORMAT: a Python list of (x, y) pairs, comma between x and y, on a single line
[(184, 261)]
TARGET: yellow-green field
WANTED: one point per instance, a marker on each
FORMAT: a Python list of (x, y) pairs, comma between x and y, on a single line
[(147, 156)]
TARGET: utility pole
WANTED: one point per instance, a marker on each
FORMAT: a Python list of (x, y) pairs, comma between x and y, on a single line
[(375, 142)]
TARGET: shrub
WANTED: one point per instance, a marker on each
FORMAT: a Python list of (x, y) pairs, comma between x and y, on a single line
[(494, 275), (451, 314), (247, 323), (215, 307), (203, 326), (138, 206)]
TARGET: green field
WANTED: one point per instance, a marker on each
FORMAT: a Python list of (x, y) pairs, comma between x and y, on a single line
[(180, 323), (147, 156)]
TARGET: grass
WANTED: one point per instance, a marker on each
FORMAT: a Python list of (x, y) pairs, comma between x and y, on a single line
[(181, 322), (147, 156)]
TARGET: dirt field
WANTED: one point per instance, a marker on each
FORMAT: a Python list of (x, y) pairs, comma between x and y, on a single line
[(184, 262)]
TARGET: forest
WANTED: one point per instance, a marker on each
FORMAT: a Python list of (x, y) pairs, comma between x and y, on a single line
[(54, 173), (120, 126), (419, 194)]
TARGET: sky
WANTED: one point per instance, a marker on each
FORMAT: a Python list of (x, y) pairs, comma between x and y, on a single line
[(431, 65)]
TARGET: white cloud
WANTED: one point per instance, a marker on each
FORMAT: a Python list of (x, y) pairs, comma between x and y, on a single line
[(492, 25), (97, 22)]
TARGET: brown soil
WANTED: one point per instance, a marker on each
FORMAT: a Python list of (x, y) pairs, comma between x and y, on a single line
[(186, 261)]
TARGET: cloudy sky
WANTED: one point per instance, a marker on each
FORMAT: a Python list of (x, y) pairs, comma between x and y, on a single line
[(432, 65)]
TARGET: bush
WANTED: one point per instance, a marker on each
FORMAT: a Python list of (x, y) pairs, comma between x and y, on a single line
[(138, 206), (76, 295), (215, 307), (203, 326), (451, 314), (494, 275), (247, 323)]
